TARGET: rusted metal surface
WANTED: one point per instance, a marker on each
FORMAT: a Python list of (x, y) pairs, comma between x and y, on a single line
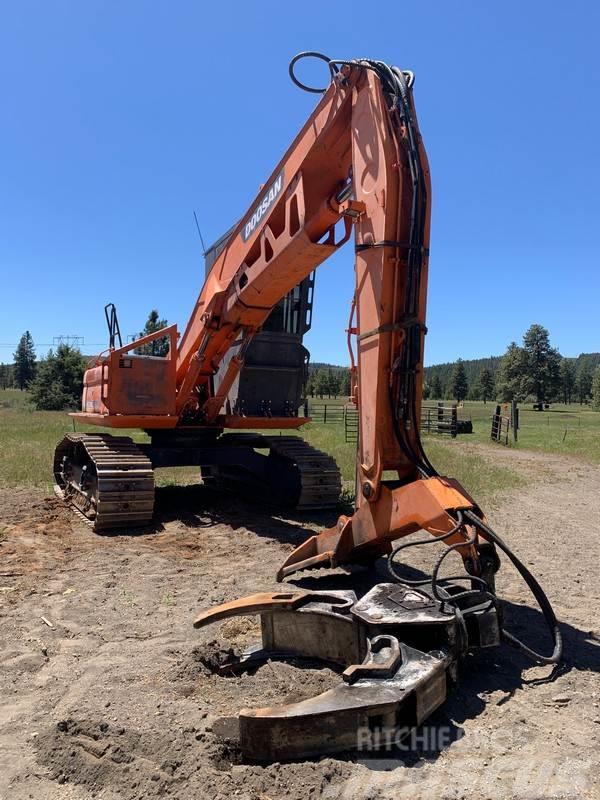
[(398, 651), (261, 602), (421, 505)]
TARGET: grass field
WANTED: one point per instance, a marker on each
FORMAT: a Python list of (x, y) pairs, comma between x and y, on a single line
[(564, 429), (28, 439), (484, 480)]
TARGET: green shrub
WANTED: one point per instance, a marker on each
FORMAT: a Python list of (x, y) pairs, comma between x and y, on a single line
[(59, 380)]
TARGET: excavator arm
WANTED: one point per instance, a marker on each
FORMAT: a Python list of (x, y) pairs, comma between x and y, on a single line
[(359, 159)]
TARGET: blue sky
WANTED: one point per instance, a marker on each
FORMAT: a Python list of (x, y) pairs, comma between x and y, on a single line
[(121, 118)]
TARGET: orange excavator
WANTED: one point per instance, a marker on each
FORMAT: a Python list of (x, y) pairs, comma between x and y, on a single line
[(358, 166)]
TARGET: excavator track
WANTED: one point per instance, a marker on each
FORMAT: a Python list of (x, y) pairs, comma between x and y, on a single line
[(293, 474), (320, 477), (107, 479)]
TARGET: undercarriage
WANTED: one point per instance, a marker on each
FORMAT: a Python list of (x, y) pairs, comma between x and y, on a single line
[(109, 479)]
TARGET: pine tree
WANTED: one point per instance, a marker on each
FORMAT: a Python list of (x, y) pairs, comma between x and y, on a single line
[(310, 385), (474, 390), (486, 384), (6, 376), (345, 383), (436, 391), (567, 379), (334, 383), (583, 385), (321, 383), (59, 380), (24, 357), (512, 374), (159, 347), (459, 384), (596, 390), (542, 375)]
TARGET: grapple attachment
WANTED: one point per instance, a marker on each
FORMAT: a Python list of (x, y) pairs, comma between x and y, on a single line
[(398, 648)]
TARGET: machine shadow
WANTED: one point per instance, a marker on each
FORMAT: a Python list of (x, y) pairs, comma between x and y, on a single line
[(581, 649), (197, 506)]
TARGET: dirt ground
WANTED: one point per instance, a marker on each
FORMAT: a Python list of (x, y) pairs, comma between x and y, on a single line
[(113, 698)]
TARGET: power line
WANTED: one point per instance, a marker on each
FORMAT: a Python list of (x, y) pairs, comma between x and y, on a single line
[(57, 340), (69, 339)]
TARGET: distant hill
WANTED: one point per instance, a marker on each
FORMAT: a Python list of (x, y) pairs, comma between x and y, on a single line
[(474, 366), (315, 366)]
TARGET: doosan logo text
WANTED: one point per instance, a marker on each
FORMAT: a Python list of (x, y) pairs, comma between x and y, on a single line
[(261, 209)]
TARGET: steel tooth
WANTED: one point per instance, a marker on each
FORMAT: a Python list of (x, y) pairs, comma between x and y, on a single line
[(254, 604), (339, 602)]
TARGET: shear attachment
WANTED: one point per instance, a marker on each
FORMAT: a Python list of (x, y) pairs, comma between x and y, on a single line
[(398, 648)]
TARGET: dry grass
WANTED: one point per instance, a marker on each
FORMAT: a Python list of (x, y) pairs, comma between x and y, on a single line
[(483, 479), (564, 429), (28, 439)]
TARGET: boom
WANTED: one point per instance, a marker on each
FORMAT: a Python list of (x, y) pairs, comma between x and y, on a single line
[(351, 144), (352, 161)]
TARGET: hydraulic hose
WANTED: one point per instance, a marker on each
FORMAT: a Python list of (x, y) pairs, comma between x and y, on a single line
[(430, 540), (536, 591)]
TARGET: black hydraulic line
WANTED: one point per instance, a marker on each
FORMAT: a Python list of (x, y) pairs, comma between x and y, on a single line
[(309, 54), (536, 591), (485, 590), (443, 597), (430, 540), (405, 444), (396, 85), (433, 579), (412, 349)]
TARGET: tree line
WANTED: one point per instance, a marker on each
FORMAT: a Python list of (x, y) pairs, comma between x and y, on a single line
[(534, 371), (326, 380), (54, 382)]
